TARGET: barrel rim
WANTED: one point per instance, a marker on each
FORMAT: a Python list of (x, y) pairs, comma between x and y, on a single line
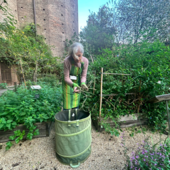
[(74, 121)]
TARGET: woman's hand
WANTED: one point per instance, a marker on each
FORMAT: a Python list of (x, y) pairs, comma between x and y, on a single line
[(76, 90), (84, 86)]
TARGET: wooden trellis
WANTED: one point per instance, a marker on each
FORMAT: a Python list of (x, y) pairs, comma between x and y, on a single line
[(156, 99), (101, 88)]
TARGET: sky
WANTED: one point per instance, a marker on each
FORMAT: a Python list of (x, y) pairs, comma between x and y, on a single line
[(84, 6)]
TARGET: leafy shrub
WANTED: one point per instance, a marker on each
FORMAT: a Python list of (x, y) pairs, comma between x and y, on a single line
[(150, 157), (147, 64), (51, 80), (27, 106), (3, 85)]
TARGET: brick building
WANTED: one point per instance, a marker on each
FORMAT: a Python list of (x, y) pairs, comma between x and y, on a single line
[(56, 20)]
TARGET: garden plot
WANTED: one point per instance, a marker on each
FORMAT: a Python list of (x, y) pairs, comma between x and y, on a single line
[(107, 152)]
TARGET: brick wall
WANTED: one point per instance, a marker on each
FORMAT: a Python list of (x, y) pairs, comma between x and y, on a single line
[(57, 20)]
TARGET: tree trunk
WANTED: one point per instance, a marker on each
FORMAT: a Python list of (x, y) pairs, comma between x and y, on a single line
[(23, 73)]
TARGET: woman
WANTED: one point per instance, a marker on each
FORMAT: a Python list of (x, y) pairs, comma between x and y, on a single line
[(75, 71)]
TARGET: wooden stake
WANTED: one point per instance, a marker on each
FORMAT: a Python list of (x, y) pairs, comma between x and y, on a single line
[(101, 87), (167, 109)]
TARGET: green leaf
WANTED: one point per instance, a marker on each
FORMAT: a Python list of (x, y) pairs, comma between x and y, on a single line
[(9, 121), (12, 137), (29, 136), (36, 132), (8, 145), (17, 140), (17, 132), (3, 114), (7, 148), (1, 126)]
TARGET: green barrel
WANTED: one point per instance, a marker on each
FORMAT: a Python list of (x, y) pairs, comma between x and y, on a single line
[(73, 136)]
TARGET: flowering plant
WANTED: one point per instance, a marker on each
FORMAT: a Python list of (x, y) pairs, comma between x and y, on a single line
[(148, 157)]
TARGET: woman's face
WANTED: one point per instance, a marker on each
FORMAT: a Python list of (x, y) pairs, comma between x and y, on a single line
[(78, 57)]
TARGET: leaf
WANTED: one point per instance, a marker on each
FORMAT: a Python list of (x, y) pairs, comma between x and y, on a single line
[(14, 123), (29, 136), (7, 148), (23, 114), (3, 114), (17, 140), (17, 132), (1, 126), (9, 121), (11, 137), (36, 132), (8, 126), (8, 145)]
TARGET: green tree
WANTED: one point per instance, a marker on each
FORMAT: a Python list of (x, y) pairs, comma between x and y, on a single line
[(99, 32), (143, 19)]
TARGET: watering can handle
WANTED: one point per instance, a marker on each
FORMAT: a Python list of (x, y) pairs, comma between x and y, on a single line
[(75, 166)]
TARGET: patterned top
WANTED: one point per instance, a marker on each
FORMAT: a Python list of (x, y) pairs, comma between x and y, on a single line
[(67, 67)]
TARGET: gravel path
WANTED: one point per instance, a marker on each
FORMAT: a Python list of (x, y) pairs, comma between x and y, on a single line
[(39, 153)]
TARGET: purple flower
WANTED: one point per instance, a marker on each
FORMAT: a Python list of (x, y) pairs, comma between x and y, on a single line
[(144, 159), (137, 157)]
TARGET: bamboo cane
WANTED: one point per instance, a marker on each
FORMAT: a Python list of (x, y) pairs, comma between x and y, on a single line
[(101, 87)]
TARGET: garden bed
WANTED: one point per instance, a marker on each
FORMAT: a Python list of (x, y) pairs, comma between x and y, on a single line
[(44, 130), (124, 122)]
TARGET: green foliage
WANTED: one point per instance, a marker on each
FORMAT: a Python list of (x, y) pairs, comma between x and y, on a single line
[(27, 106), (3, 85), (100, 30), (148, 66), (51, 80)]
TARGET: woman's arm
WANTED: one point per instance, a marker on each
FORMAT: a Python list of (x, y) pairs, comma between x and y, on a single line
[(67, 68), (84, 72)]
